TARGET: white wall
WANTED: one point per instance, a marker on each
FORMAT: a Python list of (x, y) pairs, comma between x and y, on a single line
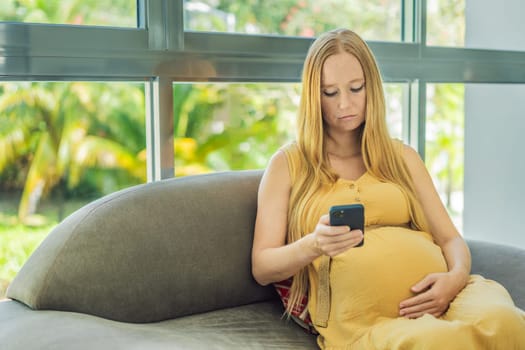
[(495, 131)]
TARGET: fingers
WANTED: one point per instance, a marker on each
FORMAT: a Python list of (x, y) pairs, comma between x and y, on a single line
[(325, 220), (414, 301), (424, 284), (427, 307), (433, 301), (421, 309), (333, 240), (336, 245)]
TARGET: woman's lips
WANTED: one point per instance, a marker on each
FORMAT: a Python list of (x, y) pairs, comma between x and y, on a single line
[(348, 116)]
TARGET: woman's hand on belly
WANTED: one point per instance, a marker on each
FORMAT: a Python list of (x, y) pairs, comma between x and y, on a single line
[(434, 294)]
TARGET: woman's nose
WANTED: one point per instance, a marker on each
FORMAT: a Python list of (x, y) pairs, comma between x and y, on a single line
[(345, 100)]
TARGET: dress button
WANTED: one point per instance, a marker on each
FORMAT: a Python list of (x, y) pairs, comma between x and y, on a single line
[(351, 186)]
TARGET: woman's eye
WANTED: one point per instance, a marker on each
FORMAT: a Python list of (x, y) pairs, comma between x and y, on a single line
[(329, 94), (357, 89)]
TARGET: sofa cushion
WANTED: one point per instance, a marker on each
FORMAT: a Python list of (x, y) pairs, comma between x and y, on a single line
[(502, 263), (151, 252), (255, 326)]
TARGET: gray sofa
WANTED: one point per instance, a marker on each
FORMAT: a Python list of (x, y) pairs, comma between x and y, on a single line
[(166, 265)]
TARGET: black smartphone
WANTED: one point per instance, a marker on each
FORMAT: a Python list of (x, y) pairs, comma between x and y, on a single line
[(352, 215)]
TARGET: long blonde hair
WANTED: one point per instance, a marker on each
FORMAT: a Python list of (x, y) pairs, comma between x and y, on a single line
[(380, 156)]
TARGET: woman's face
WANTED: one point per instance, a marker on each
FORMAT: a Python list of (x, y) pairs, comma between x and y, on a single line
[(343, 93)]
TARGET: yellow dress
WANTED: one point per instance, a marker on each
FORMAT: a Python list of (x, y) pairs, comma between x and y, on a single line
[(368, 283)]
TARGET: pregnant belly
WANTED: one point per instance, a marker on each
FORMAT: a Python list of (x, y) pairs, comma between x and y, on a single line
[(372, 280)]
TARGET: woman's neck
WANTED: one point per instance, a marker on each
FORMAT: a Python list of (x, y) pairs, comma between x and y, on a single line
[(343, 147), (344, 155)]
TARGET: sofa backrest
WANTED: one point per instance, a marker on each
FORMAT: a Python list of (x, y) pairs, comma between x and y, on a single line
[(502, 263), (151, 252)]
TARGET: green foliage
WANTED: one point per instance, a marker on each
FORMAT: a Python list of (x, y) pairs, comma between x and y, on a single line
[(90, 12), (17, 240), (53, 132), (376, 20), (16, 245), (445, 138), (446, 22), (231, 126)]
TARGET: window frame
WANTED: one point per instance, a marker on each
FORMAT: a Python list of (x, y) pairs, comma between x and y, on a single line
[(159, 52)]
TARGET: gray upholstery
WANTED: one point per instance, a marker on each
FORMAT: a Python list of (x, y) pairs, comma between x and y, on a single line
[(253, 326), (501, 263), (177, 250), (152, 252)]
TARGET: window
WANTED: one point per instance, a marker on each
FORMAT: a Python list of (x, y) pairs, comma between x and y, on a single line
[(118, 13), (62, 145), (395, 109), (505, 31), (444, 155), (374, 20), (446, 23), (460, 23), (229, 126), (494, 166)]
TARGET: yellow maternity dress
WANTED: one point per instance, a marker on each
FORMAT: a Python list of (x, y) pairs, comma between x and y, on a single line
[(366, 284)]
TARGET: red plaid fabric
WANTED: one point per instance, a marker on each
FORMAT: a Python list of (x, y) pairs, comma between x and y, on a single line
[(300, 312)]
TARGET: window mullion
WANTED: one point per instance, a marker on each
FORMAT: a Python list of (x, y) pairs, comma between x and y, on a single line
[(417, 116), (159, 129), (408, 21), (165, 24)]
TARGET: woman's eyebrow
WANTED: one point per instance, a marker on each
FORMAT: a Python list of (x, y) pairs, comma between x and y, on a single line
[(349, 82)]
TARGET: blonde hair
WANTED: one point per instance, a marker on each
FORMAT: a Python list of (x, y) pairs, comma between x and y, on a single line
[(380, 156)]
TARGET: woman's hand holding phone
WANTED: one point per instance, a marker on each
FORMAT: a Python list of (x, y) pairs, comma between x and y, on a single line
[(333, 240), (352, 215)]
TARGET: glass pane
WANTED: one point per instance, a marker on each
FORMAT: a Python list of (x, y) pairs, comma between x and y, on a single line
[(373, 20), (494, 162), (446, 22), (495, 25), (62, 145), (231, 126), (394, 109), (476, 24), (239, 126), (118, 13), (444, 148)]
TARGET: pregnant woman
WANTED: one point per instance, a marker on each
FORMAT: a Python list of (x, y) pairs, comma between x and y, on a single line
[(409, 286)]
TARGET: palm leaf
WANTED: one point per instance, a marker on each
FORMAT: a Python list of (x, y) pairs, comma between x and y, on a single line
[(94, 151), (40, 178), (12, 140)]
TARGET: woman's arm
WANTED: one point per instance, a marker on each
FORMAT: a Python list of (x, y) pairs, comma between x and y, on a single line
[(272, 259), (443, 287)]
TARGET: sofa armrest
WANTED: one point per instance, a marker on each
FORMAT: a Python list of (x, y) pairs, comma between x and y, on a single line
[(502, 263), (151, 252)]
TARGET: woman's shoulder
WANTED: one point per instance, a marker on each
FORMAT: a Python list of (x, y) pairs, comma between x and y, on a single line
[(277, 173), (399, 145), (280, 160), (406, 151), (411, 157), (286, 160), (290, 149)]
